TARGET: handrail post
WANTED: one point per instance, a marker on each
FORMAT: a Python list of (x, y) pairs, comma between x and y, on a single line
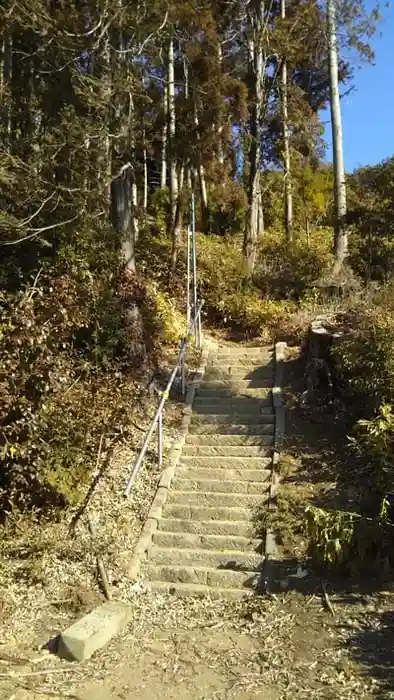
[(160, 438), (194, 267), (188, 305), (183, 376)]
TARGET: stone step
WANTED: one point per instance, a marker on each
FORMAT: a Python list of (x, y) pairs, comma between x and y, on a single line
[(236, 405), (235, 528), (188, 540), (192, 512), (208, 426), (221, 485), (223, 393), (224, 451), (207, 558), (222, 578), (196, 590), (225, 462), (254, 418), (238, 441), (234, 385), (241, 474), (240, 361), (243, 350), (227, 372), (217, 499)]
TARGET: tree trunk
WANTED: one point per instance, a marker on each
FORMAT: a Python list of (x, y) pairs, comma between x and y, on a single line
[(145, 200), (286, 144), (201, 177), (256, 92), (5, 86), (220, 145), (122, 216), (171, 132), (340, 233), (131, 151), (105, 155), (177, 226), (164, 146)]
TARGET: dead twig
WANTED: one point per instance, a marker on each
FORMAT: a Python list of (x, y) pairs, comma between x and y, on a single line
[(100, 564), (44, 672), (48, 693), (326, 599)]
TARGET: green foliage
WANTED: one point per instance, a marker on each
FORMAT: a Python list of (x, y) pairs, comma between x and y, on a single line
[(371, 196), (169, 321), (367, 360), (351, 542), (227, 208), (160, 208), (312, 199), (226, 298), (374, 438), (288, 273)]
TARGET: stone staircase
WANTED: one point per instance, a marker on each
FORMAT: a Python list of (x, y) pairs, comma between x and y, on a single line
[(205, 539)]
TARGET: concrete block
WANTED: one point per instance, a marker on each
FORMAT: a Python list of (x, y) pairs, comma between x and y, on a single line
[(93, 631), (166, 477)]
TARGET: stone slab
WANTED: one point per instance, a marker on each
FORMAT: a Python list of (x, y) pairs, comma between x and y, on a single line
[(93, 631)]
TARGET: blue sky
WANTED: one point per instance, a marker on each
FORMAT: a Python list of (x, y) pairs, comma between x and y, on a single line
[(368, 112)]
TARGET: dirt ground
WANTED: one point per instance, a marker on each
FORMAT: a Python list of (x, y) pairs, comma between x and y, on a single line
[(291, 643), (277, 647)]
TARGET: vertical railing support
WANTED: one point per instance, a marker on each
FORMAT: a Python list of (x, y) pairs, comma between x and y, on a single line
[(160, 438), (188, 304), (194, 265), (183, 376)]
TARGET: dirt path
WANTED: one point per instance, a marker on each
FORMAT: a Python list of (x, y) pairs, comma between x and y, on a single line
[(283, 646)]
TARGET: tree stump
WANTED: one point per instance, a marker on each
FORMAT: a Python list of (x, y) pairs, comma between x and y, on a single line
[(324, 332)]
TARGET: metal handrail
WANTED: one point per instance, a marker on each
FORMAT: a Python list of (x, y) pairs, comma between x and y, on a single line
[(193, 330)]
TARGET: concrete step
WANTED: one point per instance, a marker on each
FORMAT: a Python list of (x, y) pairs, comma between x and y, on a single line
[(240, 474), (196, 590), (226, 462), (207, 558), (234, 528), (217, 499), (181, 511), (221, 485), (225, 451), (238, 441), (188, 540), (222, 578), (236, 405)]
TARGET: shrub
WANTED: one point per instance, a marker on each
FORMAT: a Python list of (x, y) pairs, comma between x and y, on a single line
[(66, 353), (285, 272)]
